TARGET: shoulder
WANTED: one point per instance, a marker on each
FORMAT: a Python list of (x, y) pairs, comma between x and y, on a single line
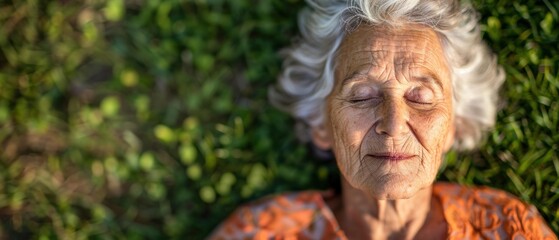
[(300, 215), (486, 212)]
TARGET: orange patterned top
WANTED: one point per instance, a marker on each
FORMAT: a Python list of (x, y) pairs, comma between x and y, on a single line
[(471, 213)]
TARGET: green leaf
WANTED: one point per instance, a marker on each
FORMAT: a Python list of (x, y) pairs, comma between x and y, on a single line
[(129, 78), (547, 23), (187, 153), (194, 172), (164, 133), (114, 11), (494, 27), (207, 194), (147, 161), (225, 182), (110, 106)]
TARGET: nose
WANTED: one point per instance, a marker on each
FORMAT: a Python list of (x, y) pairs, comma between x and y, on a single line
[(393, 118)]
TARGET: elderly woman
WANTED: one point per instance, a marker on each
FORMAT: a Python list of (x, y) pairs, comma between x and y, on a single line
[(389, 86)]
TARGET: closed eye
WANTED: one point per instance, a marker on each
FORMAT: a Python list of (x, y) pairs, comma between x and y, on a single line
[(359, 100), (420, 102), (421, 96), (365, 100)]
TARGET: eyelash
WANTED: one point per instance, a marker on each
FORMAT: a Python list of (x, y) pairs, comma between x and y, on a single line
[(364, 100), (355, 101), (418, 102)]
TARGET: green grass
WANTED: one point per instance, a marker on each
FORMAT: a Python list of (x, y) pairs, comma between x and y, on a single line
[(149, 119)]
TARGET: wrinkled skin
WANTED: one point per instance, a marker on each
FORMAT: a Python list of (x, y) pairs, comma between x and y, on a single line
[(389, 118)]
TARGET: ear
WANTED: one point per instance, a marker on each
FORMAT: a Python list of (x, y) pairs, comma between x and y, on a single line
[(321, 137), (450, 138)]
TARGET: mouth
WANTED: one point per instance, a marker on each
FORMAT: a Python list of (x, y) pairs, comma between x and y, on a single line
[(392, 156)]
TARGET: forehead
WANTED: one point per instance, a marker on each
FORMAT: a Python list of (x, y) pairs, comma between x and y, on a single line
[(405, 37), (413, 46)]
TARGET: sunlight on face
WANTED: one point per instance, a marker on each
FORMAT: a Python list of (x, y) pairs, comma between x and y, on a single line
[(390, 112)]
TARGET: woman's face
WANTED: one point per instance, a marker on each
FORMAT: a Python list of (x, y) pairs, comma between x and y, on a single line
[(390, 117)]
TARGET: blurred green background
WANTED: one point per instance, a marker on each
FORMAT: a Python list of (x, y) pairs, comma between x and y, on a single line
[(148, 119)]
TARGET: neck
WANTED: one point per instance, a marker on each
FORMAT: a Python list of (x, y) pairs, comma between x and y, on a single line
[(363, 217)]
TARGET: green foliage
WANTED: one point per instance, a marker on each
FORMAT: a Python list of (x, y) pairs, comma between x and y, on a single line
[(149, 119)]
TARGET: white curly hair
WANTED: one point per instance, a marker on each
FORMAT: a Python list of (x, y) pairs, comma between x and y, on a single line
[(307, 76)]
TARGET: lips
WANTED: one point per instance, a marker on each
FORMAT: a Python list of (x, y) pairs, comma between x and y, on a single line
[(390, 156)]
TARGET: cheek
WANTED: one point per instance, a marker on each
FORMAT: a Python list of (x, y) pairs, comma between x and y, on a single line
[(349, 127), (431, 129)]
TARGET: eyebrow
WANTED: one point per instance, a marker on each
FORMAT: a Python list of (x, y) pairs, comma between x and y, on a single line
[(427, 77), (351, 78)]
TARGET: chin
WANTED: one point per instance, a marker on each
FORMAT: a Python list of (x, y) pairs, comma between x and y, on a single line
[(391, 188)]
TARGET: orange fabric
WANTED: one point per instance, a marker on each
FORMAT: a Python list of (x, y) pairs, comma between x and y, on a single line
[(486, 213), (471, 213)]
